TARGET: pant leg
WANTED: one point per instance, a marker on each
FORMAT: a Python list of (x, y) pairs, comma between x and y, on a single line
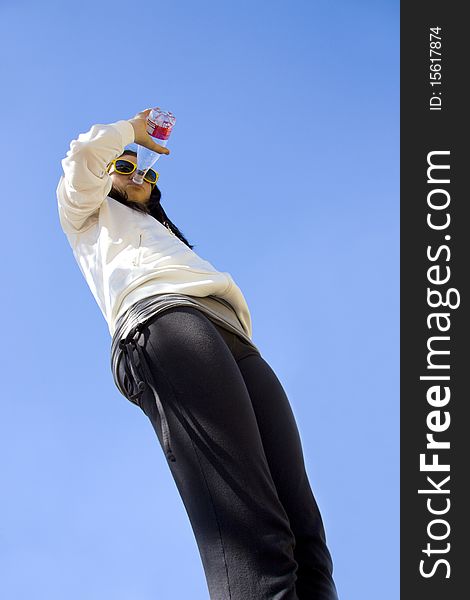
[(221, 471), (282, 446)]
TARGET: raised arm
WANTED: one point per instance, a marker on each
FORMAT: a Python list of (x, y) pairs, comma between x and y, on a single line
[(85, 182)]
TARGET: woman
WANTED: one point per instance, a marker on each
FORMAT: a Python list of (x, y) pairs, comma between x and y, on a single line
[(182, 351)]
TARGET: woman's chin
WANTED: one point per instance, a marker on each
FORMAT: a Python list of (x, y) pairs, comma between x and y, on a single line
[(136, 193)]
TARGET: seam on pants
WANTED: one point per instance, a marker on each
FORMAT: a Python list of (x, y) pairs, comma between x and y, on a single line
[(239, 360), (175, 398)]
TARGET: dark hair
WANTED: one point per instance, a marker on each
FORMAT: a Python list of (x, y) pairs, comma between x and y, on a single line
[(153, 208)]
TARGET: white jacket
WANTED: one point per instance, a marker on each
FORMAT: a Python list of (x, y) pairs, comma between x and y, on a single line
[(126, 255)]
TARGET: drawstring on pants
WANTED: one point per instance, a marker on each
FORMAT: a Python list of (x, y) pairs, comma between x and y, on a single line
[(127, 345)]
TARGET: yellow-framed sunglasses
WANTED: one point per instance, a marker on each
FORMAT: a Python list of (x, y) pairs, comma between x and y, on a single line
[(123, 166)]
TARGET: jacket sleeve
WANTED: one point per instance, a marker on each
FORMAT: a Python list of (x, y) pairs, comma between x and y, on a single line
[(85, 182)]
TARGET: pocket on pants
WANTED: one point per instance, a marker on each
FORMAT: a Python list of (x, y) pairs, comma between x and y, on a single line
[(125, 382)]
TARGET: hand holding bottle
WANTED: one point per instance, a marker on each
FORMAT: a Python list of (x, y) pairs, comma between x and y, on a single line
[(151, 142), (141, 136)]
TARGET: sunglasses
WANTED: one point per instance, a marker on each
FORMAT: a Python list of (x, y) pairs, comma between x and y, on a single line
[(126, 167)]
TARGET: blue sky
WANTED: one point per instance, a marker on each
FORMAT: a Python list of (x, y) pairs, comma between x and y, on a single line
[(284, 172)]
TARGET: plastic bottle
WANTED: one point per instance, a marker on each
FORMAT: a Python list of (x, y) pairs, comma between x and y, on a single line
[(159, 126)]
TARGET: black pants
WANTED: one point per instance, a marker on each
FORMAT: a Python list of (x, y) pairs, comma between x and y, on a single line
[(239, 465)]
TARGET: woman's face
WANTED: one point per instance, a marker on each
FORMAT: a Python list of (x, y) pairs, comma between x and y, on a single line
[(135, 192)]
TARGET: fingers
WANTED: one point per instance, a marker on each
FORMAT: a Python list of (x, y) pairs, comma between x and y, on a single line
[(142, 114), (160, 149), (151, 145)]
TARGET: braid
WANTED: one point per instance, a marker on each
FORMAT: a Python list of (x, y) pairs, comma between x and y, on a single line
[(156, 210)]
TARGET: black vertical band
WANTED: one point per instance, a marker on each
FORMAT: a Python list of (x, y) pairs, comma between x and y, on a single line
[(435, 315)]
